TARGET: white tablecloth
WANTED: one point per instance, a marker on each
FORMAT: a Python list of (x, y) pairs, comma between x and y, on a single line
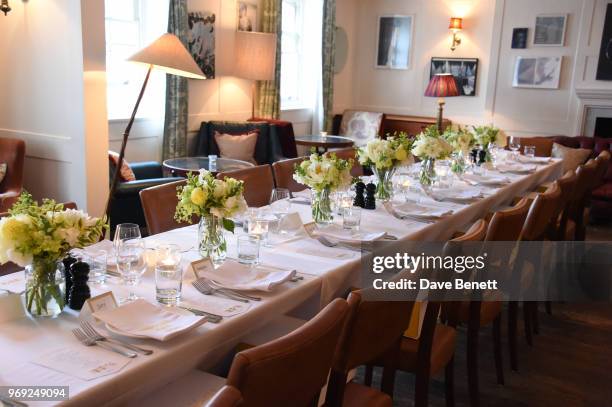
[(328, 272)]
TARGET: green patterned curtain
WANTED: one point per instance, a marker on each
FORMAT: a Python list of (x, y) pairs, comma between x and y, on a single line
[(268, 92), (329, 58), (177, 90)]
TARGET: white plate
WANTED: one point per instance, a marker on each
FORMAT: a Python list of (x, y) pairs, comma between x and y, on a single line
[(117, 331)]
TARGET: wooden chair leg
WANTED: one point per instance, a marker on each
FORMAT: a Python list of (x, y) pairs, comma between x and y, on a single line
[(367, 380), (512, 334), (421, 388), (527, 320), (497, 349), (548, 306), (472, 365), (535, 317), (449, 377)]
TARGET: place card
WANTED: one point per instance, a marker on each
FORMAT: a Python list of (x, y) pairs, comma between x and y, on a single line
[(200, 267), (102, 302)]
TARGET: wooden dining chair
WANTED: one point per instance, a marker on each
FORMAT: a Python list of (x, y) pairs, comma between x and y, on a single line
[(586, 182), (159, 205), (563, 228), (228, 396), (283, 174), (258, 184), (373, 329), (506, 226), (350, 154)]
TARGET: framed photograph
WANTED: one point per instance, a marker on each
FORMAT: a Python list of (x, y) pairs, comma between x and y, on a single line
[(464, 70), (541, 72), (394, 42), (550, 30), (202, 41), (246, 16), (519, 38), (604, 67)]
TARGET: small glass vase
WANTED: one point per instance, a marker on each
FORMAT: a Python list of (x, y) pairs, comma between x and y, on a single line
[(427, 176), (459, 163), (45, 288), (384, 186), (321, 207), (211, 240)]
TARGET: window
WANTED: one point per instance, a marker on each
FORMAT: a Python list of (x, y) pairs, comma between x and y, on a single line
[(292, 94), (130, 26)]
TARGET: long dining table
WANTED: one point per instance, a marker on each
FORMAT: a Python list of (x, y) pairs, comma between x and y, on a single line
[(327, 272)]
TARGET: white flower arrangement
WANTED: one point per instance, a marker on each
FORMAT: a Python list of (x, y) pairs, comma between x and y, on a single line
[(320, 172), (204, 196), (430, 145), (484, 135), (394, 151), (460, 140)]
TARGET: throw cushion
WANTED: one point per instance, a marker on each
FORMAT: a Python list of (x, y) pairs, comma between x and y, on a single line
[(238, 147), (126, 174), (3, 167), (572, 157), (360, 126)]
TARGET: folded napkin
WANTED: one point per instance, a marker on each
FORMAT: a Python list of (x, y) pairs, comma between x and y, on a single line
[(337, 232), (533, 160), (304, 196), (515, 168), (237, 276), (140, 318), (416, 210), (467, 194), (491, 180)]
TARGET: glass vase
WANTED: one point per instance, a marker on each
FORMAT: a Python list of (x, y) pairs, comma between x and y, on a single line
[(45, 288), (384, 186), (321, 207), (458, 163), (428, 172), (211, 240)]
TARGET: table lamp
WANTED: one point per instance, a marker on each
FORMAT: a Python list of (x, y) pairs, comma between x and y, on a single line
[(255, 59), (441, 86), (168, 54)]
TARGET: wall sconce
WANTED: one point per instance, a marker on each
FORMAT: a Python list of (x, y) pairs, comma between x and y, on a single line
[(456, 25), (4, 7)]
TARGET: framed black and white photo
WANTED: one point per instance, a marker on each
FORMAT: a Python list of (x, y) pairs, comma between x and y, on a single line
[(246, 16), (604, 66), (550, 30), (519, 38), (541, 72), (394, 42), (202, 41), (464, 70)]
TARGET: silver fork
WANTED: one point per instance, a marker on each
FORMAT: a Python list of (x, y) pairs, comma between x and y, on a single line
[(212, 318), (396, 215), (202, 286), (92, 333), (328, 243), (87, 341), (216, 286)]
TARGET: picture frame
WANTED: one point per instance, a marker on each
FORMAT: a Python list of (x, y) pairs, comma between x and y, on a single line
[(394, 43), (519, 38), (550, 30), (604, 64), (246, 16), (537, 72), (464, 70), (201, 41)]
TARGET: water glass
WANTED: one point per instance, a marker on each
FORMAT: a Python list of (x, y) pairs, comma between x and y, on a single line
[(351, 218), (131, 263), (126, 231), (212, 163), (168, 275), (248, 249), (514, 145), (250, 215), (97, 267), (530, 151), (259, 227)]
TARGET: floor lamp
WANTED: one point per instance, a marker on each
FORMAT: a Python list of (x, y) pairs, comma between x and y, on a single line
[(167, 54), (255, 59), (442, 86)]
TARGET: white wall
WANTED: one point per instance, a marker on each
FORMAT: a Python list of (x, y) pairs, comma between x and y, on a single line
[(43, 99)]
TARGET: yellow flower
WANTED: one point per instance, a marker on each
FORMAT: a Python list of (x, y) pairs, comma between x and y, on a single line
[(401, 154), (198, 196)]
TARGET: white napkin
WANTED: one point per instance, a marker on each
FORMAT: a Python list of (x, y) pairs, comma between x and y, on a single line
[(491, 180), (457, 194), (515, 168), (337, 232), (429, 211), (533, 160), (304, 196), (103, 246), (145, 319), (237, 276)]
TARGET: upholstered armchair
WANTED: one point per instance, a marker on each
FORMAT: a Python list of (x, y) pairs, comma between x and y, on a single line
[(12, 153), (359, 126)]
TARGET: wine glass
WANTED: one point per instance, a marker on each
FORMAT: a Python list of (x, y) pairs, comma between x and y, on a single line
[(515, 145), (131, 263), (280, 204), (125, 231)]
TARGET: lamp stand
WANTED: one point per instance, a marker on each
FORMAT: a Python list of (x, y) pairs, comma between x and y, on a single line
[(441, 104), (126, 135), (253, 93)]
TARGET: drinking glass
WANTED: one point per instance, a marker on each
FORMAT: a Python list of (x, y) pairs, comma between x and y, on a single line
[(212, 163), (259, 228), (131, 263), (514, 145), (530, 151), (126, 231), (280, 204), (251, 214), (248, 249), (97, 267), (168, 274), (351, 218)]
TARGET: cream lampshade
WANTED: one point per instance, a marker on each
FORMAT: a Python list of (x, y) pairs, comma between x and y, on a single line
[(255, 58)]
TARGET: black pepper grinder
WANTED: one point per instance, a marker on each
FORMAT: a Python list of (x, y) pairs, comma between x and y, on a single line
[(359, 194), (370, 201), (68, 262), (482, 157), (474, 155), (79, 292)]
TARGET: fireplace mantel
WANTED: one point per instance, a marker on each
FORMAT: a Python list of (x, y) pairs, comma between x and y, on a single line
[(594, 94)]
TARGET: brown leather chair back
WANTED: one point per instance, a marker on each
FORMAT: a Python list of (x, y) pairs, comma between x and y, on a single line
[(12, 152), (506, 225), (544, 210), (350, 154), (283, 174), (159, 204), (475, 233), (603, 162), (290, 371), (228, 396), (258, 184), (586, 181)]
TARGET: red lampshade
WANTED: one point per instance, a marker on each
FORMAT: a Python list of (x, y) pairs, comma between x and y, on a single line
[(456, 24), (442, 86)]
